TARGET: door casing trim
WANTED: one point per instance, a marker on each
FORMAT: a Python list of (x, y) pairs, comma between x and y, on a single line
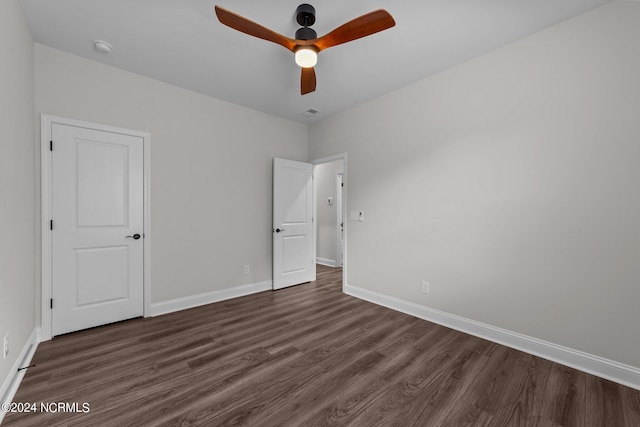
[(46, 123)]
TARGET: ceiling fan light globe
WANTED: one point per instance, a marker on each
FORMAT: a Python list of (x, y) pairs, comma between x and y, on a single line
[(306, 57)]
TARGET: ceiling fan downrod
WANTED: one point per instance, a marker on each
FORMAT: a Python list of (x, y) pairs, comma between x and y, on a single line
[(306, 16)]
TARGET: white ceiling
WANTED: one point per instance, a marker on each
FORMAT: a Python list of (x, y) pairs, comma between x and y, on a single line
[(182, 43)]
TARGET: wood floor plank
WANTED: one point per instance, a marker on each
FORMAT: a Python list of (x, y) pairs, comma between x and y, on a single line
[(307, 355), (604, 402), (428, 373), (565, 393), (461, 375), (521, 402), (631, 406)]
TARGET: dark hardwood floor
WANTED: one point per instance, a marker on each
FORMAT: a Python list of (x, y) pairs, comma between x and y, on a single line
[(305, 356)]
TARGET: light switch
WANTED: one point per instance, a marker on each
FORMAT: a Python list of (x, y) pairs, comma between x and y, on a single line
[(356, 216), (330, 201)]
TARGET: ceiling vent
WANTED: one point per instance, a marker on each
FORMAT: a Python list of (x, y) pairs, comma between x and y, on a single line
[(310, 112)]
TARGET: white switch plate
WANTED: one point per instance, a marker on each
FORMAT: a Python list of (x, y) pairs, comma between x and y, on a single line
[(246, 269), (360, 216)]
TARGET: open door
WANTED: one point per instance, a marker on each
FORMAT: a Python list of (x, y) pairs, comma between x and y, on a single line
[(293, 246)]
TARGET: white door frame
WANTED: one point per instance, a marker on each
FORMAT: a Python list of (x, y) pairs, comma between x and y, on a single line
[(340, 234), (46, 123), (343, 157)]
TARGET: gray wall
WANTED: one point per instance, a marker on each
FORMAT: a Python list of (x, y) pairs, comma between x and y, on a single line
[(17, 184), (510, 183)]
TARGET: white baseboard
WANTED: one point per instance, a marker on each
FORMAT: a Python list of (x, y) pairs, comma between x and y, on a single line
[(595, 365), (184, 303), (12, 382), (326, 261)]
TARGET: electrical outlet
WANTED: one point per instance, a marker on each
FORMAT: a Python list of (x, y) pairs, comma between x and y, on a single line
[(246, 269), (424, 286), (5, 346)]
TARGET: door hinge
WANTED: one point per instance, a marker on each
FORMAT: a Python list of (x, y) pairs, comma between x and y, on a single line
[(50, 145), (51, 303), (51, 225)]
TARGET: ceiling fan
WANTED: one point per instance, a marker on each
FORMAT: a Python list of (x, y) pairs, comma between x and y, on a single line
[(307, 44)]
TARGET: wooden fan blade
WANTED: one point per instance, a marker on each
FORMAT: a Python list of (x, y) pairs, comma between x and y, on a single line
[(307, 80), (251, 28), (363, 26)]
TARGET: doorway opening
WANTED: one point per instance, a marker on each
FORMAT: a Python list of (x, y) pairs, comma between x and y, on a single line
[(329, 212)]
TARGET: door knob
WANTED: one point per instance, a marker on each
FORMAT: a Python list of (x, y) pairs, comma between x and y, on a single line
[(134, 237), (277, 230)]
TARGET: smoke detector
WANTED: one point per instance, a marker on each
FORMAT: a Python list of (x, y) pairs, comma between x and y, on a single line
[(102, 46)]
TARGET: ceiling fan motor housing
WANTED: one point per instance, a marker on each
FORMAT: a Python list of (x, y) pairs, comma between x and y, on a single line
[(306, 33)]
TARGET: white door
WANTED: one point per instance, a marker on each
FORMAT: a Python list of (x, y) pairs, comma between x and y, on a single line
[(97, 220), (293, 248)]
